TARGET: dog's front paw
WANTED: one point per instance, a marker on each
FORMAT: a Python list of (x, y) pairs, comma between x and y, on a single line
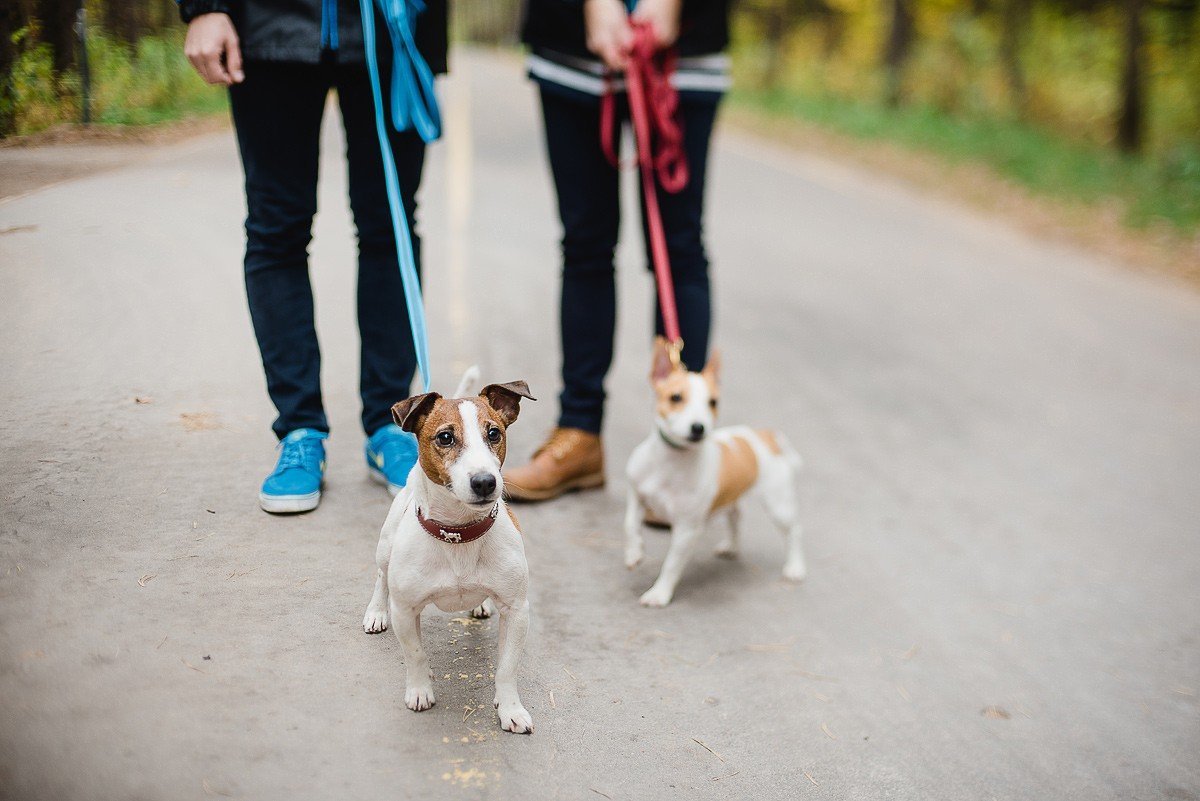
[(484, 610), (375, 620), (656, 597), (795, 570), (633, 555), (419, 698), (514, 718)]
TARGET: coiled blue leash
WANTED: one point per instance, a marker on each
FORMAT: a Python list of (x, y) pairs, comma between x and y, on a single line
[(414, 106)]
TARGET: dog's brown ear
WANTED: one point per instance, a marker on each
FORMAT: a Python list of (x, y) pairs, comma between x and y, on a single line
[(411, 412), (660, 364), (712, 369), (506, 398)]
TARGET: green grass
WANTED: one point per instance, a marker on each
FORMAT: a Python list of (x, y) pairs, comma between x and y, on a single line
[(142, 85), (1163, 189)]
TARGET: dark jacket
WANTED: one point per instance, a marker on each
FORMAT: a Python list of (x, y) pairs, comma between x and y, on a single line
[(302, 30), (558, 25)]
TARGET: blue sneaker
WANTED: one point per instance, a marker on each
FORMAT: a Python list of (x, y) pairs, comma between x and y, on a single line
[(391, 453), (295, 484)]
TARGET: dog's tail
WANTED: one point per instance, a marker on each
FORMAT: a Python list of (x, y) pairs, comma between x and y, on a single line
[(466, 385), (789, 453)]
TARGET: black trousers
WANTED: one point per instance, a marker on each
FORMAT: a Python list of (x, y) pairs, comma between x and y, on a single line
[(589, 207), (277, 114)]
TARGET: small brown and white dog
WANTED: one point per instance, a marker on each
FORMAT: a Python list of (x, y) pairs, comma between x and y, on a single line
[(450, 540), (687, 472)]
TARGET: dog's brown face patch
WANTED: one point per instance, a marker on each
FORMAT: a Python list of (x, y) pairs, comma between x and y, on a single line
[(441, 436), (673, 393)]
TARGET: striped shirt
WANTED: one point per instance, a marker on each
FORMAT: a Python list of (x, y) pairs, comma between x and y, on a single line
[(695, 76)]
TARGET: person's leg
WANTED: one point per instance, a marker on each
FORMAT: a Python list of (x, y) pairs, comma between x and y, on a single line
[(589, 207), (388, 357), (683, 218), (277, 116)]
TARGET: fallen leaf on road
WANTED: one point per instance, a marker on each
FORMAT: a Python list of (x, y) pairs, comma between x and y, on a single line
[(828, 733), (808, 776), (143, 400), (995, 712), (146, 579), (189, 664), (18, 229)]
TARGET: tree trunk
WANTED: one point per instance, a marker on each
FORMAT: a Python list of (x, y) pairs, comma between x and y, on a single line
[(775, 28), (125, 20), (57, 19), (899, 43), (13, 17), (1130, 122), (1014, 17)]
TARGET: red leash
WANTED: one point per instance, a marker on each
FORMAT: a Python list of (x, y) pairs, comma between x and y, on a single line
[(658, 137)]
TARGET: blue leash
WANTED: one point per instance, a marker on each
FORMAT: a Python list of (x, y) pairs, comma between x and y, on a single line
[(413, 106)]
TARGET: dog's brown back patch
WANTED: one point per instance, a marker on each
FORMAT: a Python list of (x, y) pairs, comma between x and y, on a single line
[(739, 471), (769, 439)]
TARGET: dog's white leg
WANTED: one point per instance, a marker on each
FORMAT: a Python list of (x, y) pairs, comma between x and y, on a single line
[(514, 625), (783, 507), (682, 535), (418, 691), (634, 515), (484, 610), (727, 548), (376, 618)]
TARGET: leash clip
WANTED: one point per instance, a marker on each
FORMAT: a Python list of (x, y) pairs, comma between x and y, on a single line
[(674, 349)]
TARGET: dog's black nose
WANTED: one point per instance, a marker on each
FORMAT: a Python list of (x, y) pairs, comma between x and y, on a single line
[(697, 431), (483, 484)]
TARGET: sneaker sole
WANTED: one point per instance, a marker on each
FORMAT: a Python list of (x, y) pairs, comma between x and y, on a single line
[(289, 504), (378, 477), (592, 481)]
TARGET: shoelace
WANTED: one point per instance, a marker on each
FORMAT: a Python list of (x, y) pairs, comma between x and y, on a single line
[(296, 454)]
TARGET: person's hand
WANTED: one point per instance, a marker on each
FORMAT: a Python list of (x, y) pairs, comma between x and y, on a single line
[(212, 47), (608, 33), (663, 18)]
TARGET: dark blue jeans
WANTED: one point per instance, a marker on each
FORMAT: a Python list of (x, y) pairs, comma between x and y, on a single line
[(589, 207), (277, 113)]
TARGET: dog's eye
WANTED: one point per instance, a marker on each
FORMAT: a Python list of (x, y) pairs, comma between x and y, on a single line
[(493, 434), (445, 438), (676, 398), (712, 403)]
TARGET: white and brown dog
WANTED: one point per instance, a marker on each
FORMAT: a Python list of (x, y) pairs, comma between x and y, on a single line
[(450, 540), (686, 473)]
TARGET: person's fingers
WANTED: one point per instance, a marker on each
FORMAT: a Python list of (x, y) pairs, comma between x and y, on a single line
[(213, 66), (233, 59), (613, 55)]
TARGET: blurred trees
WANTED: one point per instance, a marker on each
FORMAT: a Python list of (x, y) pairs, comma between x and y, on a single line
[(1119, 72)]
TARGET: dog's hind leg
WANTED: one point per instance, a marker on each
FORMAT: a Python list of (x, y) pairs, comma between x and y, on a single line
[(514, 625), (634, 542), (418, 690), (484, 610), (784, 509), (727, 548)]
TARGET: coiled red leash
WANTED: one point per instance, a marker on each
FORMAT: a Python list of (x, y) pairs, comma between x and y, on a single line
[(658, 139)]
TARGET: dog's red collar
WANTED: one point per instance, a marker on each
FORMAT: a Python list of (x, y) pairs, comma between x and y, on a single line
[(456, 535)]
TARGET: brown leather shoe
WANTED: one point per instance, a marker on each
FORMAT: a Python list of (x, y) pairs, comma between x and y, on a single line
[(570, 459)]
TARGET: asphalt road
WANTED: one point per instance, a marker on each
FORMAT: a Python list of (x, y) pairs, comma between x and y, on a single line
[(1002, 499)]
